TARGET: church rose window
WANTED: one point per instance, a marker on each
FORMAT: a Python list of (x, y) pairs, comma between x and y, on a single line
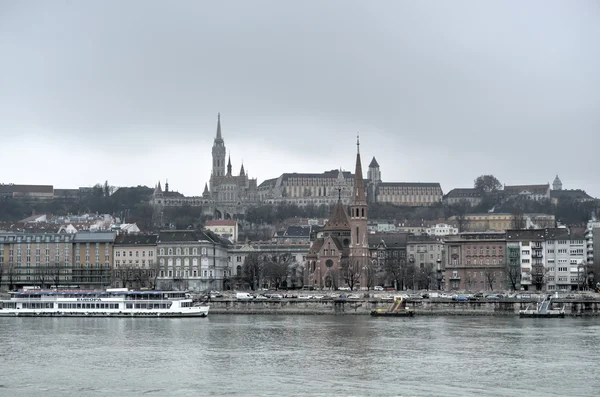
[(329, 263)]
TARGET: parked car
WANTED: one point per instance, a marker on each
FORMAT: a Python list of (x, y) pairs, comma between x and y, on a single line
[(244, 296), (378, 288), (461, 298), (344, 288), (275, 296)]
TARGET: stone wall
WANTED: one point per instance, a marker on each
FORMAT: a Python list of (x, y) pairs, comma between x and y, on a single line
[(422, 307)]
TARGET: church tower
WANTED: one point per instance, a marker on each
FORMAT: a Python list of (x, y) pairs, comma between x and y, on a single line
[(218, 152), (359, 247), (557, 184)]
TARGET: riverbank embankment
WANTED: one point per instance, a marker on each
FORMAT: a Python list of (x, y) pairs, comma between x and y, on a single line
[(430, 307)]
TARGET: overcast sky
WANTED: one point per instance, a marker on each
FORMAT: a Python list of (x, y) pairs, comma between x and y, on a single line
[(441, 91)]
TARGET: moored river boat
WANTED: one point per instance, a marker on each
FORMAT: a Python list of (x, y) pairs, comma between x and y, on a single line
[(115, 302), (396, 309)]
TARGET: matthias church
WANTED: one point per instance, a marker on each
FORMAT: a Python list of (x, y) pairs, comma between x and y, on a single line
[(225, 196)]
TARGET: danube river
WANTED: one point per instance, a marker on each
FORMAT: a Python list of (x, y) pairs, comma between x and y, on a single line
[(225, 355)]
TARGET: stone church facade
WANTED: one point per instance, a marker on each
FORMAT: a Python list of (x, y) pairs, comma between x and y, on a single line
[(338, 256), (226, 196)]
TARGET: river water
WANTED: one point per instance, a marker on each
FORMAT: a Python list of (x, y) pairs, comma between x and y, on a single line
[(225, 355)]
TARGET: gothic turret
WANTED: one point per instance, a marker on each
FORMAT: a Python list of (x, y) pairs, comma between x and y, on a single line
[(374, 175), (205, 193), (557, 184), (167, 186), (242, 172), (229, 166)]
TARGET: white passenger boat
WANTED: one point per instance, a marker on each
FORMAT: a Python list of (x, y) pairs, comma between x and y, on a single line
[(115, 302)]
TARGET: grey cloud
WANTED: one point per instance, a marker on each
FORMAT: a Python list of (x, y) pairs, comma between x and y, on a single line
[(441, 91)]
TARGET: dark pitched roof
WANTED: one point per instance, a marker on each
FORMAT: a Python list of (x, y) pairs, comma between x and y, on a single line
[(463, 193), (177, 236), (557, 234), (391, 240), (297, 231), (268, 183), (526, 235), (374, 163), (10, 188), (41, 227), (534, 189), (410, 184), (338, 220), (576, 194), (316, 246), (422, 239), (136, 239), (326, 174)]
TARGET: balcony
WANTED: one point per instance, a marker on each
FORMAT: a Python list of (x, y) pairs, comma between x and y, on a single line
[(454, 277), (537, 255)]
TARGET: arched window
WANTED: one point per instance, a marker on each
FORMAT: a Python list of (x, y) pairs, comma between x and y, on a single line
[(162, 273), (186, 262), (178, 251), (178, 261), (363, 212), (170, 262), (195, 262), (186, 251), (170, 251), (194, 251), (357, 238), (162, 262), (162, 251), (238, 270)]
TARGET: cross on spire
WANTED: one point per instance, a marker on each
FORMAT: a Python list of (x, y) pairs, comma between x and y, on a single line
[(357, 143)]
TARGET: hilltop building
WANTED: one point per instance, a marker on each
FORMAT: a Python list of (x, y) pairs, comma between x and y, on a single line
[(224, 197), (414, 194)]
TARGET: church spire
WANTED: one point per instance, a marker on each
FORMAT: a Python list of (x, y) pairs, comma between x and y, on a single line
[(242, 172), (229, 165), (359, 184), (219, 137)]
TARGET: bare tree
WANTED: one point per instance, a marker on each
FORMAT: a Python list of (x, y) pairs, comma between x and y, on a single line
[(43, 275), (252, 270), (276, 271), (11, 276), (395, 269), (351, 271), (332, 279), (370, 269), (425, 276), (538, 276), (490, 278), (518, 220), (468, 281), (514, 274)]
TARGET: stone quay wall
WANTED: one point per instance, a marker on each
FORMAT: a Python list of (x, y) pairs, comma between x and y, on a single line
[(439, 307)]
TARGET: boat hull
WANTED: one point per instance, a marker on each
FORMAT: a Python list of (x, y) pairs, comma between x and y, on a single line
[(375, 313), (191, 312)]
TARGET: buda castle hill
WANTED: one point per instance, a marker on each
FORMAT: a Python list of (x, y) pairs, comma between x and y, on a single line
[(474, 251)]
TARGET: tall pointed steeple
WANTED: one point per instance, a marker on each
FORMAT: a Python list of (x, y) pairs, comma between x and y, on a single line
[(242, 172), (229, 166), (159, 188), (359, 248), (218, 155), (206, 193), (219, 137), (358, 195)]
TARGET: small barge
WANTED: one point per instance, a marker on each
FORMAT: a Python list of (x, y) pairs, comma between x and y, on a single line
[(397, 309), (544, 309)]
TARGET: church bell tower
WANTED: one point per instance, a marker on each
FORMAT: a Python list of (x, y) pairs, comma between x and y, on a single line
[(218, 154), (359, 248)]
